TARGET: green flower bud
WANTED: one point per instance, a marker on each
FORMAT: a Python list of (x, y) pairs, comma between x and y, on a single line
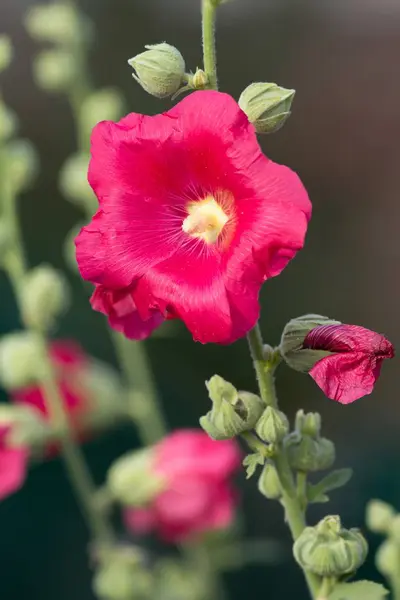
[(268, 483), (132, 480), (8, 122), (122, 576), (73, 180), (6, 52), (103, 105), (379, 516), (45, 297), (199, 80), (266, 105), (22, 164), (179, 581), (308, 454), (294, 334), (54, 70), (103, 387), (272, 426), (27, 427), (232, 413), (160, 70), (328, 550), (387, 558), (308, 424), (57, 22), (20, 360)]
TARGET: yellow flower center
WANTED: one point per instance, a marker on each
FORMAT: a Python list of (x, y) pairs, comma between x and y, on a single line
[(206, 219)]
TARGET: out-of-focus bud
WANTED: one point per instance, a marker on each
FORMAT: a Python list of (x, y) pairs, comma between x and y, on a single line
[(26, 426), (306, 450), (56, 22), (293, 336), (105, 394), (5, 240), (160, 70), (45, 296), (73, 180), (272, 426), (122, 575), (22, 164), (20, 360), (387, 558), (8, 122), (269, 484), (179, 581), (379, 516), (132, 480), (328, 550), (6, 52), (266, 105), (232, 412), (54, 70), (103, 105), (69, 247)]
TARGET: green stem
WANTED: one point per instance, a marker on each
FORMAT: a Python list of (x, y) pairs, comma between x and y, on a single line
[(294, 513), (209, 10), (302, 488)]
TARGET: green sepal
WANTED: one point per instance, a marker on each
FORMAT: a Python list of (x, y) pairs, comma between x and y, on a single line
[(359, 590)]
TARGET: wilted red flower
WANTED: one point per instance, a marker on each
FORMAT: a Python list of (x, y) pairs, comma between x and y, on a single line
[(193, 218), (196, 496), (352, 369), (13, 464)]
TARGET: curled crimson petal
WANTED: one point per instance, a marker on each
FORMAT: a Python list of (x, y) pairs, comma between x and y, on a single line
[(13, 469)]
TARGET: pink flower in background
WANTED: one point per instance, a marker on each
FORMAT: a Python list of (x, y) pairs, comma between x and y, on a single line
[(192, 219), (354, 366), (197, 496), (13, 465), (69, 360)]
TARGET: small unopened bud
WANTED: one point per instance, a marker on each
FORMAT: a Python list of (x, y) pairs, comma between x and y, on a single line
[(269, 484), (122, 576), (308, 454), (387, 558), (103, 105), (328, 550), (6, 52), (160, 70), (295, 332), (199, 80), (105, 394), (308, 423), (54, 70), (8, 122), (19, 360), (57, 22), (132, 480), (22, 164), (73, 180), (272, 426), (379, 516), (266, 105), (26, 425), (232, 412), (45, 297)]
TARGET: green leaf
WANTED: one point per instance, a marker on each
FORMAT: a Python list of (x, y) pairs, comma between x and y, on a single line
[(320, 499), (251, 463), (334, 480), (359, 590)]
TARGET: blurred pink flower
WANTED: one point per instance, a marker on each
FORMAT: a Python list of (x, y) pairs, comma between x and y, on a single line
[(13, 464), (197, 496), (352, 369), (193, 218)]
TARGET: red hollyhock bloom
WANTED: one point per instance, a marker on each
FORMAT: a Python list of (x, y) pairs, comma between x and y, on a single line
[(196, 495), (355, 364), (192, 219), (13, 465)]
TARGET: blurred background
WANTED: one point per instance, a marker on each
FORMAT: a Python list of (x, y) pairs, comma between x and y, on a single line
[(342, 139)]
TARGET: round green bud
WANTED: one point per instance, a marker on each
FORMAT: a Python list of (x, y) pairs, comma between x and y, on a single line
[(308, 454), (20, 361), (293, 336), (379, 516), (122, 576), (27, 427), (106, 104), (160, 70), (45, 297), (199, 80), (308, 423), (22, 164), (328, 550), (268, 483), (73, 180), (54, 70), (8, 122), (272, 426), (58, 22), (266, 105), (132, 480), (387, 558), (6, 52), (232, 412), (103, 387)]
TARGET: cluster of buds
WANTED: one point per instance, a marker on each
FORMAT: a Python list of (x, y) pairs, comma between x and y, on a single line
[(307, 451), (383, 519)]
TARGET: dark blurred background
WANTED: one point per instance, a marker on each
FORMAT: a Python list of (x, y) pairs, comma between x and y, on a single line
[(342, 58)]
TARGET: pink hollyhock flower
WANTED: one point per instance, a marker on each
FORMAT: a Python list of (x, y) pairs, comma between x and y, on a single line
[(192, 219), (69, 360), (13, 465), (196, 496), (352, 369)]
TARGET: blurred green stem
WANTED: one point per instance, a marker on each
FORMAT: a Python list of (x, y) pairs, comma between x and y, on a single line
[(294, 512), (209, 10)]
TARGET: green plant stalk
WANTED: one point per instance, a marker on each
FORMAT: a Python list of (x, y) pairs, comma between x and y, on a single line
[(209, 10), (294, 513)]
